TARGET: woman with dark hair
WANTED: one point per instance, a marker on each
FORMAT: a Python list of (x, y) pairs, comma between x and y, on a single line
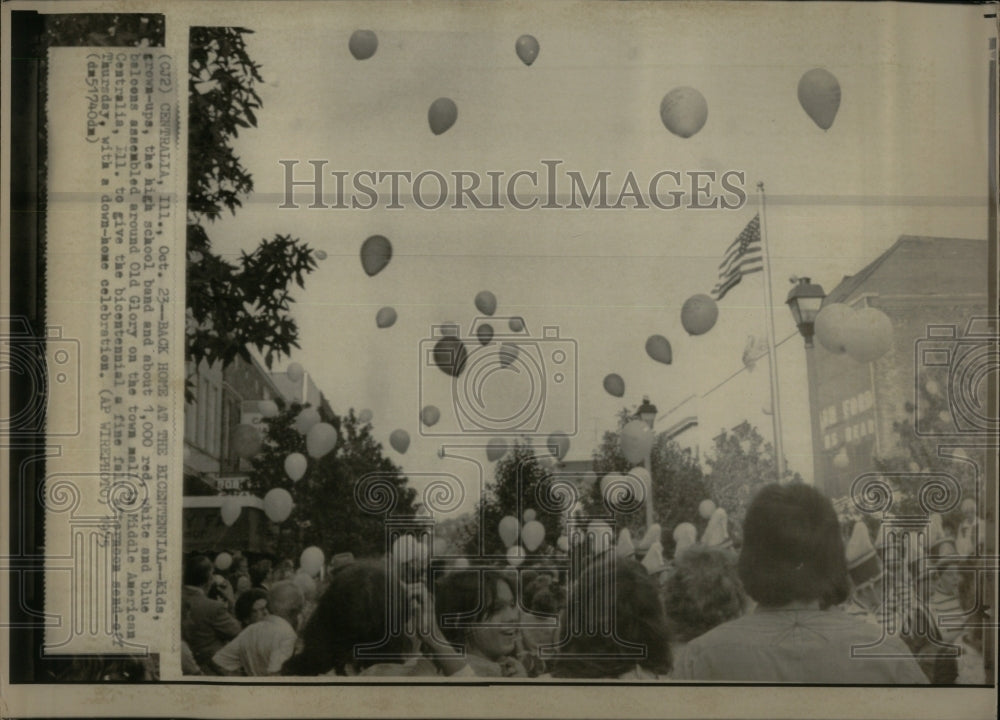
[(354, 612), (792, 563), (251, 606), (478, 612), (639, 645)]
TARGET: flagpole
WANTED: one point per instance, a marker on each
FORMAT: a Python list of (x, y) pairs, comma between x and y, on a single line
[(772, 360)]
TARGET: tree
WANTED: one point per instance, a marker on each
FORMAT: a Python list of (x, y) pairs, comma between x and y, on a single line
[(678, 484), (326, 513), (739, 464), (231, 306), (518, 478)]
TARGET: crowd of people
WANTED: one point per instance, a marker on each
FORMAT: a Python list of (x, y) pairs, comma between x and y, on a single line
[(794, 604)]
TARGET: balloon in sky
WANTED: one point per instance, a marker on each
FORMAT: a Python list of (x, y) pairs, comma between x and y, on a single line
[(450, 355), (515, 555), (246, 440), (532, 535), (386, 317), (636, 440), (819, 95), (515, 324), (306, 418), (705, 508), (321, 255), (496, 448), (400, 440), (430, 415), (684, 111), (295, 466), (699, 313), (311, 560), (833, 326), (529, 515), (558, 444), (363, 44), (223, 561), (365, 416), (278, 504), (871, 335), (658, 348), (442, 115), (230, 510), (268, 408), (486, 302), (485, 333), (614, 384), (527, 49), (509, 530), (321, 439), (376, 252), (294, 372)]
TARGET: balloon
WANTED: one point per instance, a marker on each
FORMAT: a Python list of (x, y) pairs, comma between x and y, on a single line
[(450, 355), (246, 440), (508, 353), (529, 515), (278, 504), (294, 372), (376, 252), (653, 561), (642, 475), (684, 111), (636, 440), (223, 561), (614, 385), (306, 418), (841, 460), (363, 44), (485, 333), (312, 560), (819, 95), (442, 115), (386, 317), (685, 535), (833, 326), (532, 535), (365, 416), (486, 302), (563, 543), (516, 324), (430, 415), (268, 408), (658, 348), (602, 536), (871, 335), (400, 440), (496, 448), (509, 529), (321, 255), (230, 510), (698, 314), (321, 439), (558, 444), (405, 549), (295, 466), (527, 49), (515, 555), (705, 508)]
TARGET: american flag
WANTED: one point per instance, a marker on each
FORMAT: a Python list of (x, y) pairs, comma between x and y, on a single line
[(744, 256)]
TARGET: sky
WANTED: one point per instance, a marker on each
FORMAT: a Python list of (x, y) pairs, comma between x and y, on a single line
[(906, 154)]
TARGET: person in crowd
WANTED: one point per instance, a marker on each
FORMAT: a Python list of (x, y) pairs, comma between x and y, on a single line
[(639, 647), (478, 612), (260, 574), (241, 583), (539, 623), (263, 647), (221, 590), (209, 624), (703, 592), (284, 571), (792, 563), (251, 607), (189, 666), (349, 631)]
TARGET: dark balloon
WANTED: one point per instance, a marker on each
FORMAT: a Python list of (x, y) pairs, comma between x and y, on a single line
[(527, 49), (442, 115), (363, 44), (450, 355), (485, 333), (376, 252), (658, 348), (614, 384)]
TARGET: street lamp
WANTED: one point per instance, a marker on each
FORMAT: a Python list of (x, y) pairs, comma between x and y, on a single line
[(647, 413), (805, 300)]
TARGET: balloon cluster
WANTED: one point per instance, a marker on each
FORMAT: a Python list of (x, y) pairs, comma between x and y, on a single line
[(864, 334)]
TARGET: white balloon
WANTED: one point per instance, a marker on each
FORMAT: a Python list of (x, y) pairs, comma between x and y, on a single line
[(306, 418), (296, 466), (321, 439), (563, 543), (268, 408), (636, 440), (515, 555), (705, 508), (278, 504), (365, 416), (223, 561), (312, 560), (230, 510), (532, 535), (871, 335), (833, 326), (509, 530)]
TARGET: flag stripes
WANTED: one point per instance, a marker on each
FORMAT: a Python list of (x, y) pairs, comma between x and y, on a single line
[(744, 256)]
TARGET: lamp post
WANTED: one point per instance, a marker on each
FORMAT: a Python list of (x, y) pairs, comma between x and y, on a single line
[(805, 300), (647, 413)]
